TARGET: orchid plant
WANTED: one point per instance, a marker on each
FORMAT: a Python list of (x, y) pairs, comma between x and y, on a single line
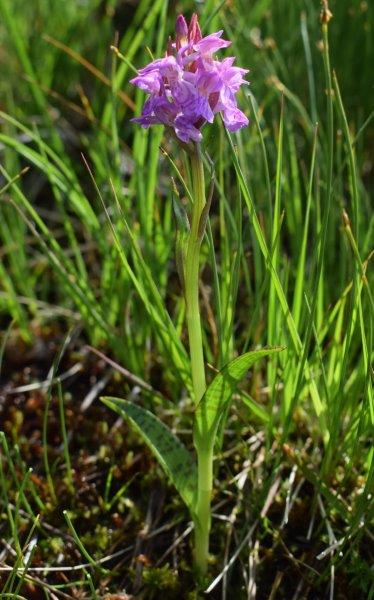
[(187, 88)]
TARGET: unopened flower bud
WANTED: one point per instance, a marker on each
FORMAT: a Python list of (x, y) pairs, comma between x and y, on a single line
[(181, 31), (181, 28), (194, 31)]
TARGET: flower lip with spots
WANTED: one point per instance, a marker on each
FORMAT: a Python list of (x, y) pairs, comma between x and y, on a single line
[(189, 86)]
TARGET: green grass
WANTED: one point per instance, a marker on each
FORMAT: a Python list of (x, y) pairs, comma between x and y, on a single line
[(87, 241)]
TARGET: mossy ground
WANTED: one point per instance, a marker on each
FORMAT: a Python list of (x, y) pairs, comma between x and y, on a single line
[(145, 528)]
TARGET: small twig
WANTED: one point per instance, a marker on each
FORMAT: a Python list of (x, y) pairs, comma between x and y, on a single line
[(278, 580), (232, 560), (43, 385), (94, 392), (79, 567), (270, 497), (175, 544), (130, 376), (252, 564)]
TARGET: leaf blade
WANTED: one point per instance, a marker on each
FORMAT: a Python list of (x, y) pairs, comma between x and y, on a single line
[(171, 454), (219, 392)]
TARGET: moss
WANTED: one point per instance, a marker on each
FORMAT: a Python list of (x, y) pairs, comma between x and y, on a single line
[(161, 578)]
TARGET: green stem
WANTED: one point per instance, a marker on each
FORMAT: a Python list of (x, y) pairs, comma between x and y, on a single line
[(201, 516), (202, 519), (192, 277)]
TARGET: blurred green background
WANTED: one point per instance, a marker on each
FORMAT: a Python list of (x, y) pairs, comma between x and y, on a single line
[(269, 35)]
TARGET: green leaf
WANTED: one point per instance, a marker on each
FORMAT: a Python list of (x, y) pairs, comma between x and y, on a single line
[(181, 219), (218, 395), (182, 230), (172, 455)]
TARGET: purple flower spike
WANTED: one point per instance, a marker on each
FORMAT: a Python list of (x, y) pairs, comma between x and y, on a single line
[(188, 86)]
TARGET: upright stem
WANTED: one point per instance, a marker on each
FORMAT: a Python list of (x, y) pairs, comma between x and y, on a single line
[(192, 277), (201, 514), (202, 517)]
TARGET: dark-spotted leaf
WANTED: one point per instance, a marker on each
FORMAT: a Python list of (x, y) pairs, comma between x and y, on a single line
[(218, 395), (172, 455)]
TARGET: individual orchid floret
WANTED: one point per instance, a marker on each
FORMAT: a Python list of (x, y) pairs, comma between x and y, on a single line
[(188, 86)]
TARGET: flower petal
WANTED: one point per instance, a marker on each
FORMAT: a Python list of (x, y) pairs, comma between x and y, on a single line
[(211, 43)]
